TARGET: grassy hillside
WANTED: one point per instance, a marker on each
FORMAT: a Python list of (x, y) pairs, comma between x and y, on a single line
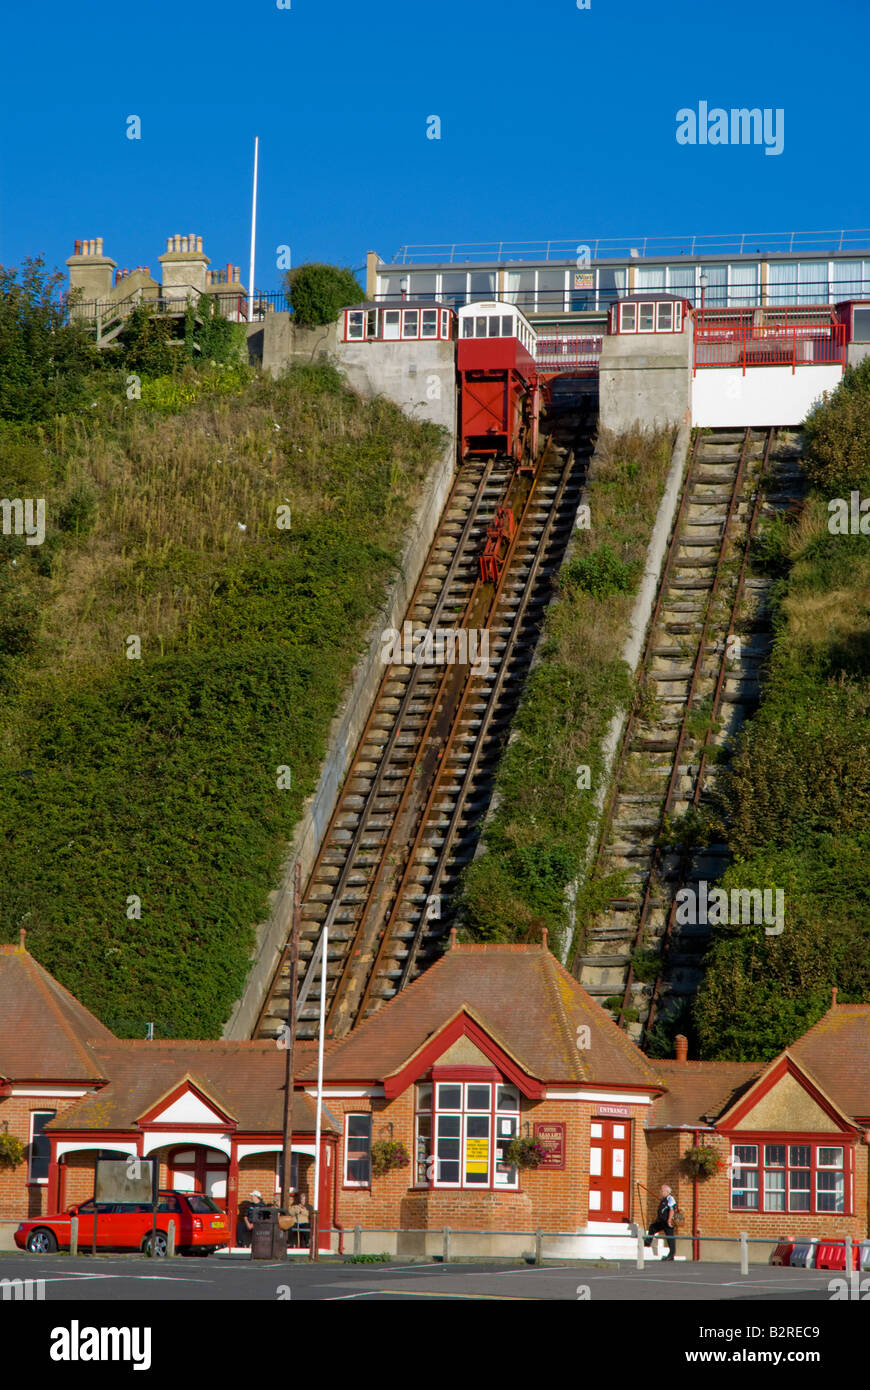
[(156, 777), (797, 807)]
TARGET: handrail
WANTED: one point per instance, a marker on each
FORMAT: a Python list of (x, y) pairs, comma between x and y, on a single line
[(838, 242)]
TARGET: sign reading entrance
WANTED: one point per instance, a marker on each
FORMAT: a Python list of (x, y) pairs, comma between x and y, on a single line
[(621, 1111), (551, 1137)]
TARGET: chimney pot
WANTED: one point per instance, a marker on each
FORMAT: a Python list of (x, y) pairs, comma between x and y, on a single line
[(681, 1046), (77, 248), (199, 243), (452, 938), (22, 933), (99, 246)]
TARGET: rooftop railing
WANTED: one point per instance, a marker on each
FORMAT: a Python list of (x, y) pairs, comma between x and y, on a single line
[(641, 248)]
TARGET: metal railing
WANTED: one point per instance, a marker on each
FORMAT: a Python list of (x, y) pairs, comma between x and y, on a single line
[(564, 352), (640, 248), (805, 345)]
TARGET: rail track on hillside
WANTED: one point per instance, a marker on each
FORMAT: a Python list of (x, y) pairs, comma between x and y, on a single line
[(408, 816), (699, 680)]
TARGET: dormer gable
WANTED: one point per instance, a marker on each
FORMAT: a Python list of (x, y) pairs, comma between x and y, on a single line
[(187, 1104)]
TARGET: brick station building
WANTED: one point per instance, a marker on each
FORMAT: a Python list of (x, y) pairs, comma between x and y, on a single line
[(491, 1043)]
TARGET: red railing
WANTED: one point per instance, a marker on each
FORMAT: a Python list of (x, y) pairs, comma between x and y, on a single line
[(804, 345), (568, 352)]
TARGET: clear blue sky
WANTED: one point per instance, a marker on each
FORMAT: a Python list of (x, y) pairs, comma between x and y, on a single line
[(556, 123)]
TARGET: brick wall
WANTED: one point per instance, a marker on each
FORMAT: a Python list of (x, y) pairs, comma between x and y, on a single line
[(19, 1199)]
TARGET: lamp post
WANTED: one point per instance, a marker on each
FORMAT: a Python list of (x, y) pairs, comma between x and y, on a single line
[(704, 283), (403, 286)]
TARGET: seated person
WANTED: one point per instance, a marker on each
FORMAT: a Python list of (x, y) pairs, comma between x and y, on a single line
[(301, 1220)]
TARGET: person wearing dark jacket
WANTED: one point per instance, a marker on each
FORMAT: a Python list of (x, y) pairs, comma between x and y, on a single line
[(664, 1223)]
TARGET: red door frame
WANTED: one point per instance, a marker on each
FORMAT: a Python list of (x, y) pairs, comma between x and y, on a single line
[(603, 1182)]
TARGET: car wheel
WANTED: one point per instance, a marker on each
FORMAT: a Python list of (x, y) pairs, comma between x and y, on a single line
[(160, 1245), (42, 1242)]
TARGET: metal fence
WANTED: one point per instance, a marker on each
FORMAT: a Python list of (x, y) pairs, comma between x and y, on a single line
[(566, 352), (806, 345)]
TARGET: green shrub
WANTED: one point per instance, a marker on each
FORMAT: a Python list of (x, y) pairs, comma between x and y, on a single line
[(600, 573), (319, 292), (837, 436), (44, 359)]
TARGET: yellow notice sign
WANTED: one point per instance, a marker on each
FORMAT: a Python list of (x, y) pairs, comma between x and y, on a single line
[(477, 1155)]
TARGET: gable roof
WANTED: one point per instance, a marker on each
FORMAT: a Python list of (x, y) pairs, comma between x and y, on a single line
[(521, 996), (741, 1107), (836, 1051), (45, 1030), (244, 1079)]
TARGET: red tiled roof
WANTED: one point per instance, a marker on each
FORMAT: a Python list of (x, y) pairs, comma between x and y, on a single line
[(698, 1092), (45, 1029), (521, 996), (836, 1052), (245, 1079)]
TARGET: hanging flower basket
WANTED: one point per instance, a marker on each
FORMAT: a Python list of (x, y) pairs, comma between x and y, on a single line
[(11, 1151), (388, 1154), (524, 1153), (703, 1161)]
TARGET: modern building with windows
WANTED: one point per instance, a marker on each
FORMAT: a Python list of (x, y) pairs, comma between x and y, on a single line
[(493, 1043), (560, 280)]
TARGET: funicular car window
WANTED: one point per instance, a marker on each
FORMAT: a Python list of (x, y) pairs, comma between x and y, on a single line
[(168, 1203), (430, 323), (506, 326), (480, 327)]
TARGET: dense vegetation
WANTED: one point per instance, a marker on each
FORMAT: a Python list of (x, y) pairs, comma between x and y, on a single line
[(318, 292), (215, 547), (797, 804), (535, 842)]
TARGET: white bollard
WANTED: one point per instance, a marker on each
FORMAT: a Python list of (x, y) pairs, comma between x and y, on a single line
[(744, 1253)]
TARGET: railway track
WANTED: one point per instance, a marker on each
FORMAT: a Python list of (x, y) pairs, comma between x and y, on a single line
[(408, 816), (699, 680)]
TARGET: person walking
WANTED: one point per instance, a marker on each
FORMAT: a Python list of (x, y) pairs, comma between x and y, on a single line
[(664, 1223), (245, 1221)]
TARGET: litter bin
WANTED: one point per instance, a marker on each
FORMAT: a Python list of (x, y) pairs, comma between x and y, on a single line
[(267, 1238)]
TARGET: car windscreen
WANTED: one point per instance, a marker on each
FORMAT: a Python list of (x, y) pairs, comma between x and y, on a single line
[(199, 1204)]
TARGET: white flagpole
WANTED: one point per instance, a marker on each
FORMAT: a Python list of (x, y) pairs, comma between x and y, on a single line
[(315, 1224), (253, 233)]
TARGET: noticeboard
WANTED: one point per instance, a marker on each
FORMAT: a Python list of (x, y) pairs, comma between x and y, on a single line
[(551, 1136), (126, 1180)]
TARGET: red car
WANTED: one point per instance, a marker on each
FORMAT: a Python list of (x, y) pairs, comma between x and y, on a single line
[(200, 1226)]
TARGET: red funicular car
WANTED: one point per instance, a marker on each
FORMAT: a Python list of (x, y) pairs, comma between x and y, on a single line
[(200, 1226)]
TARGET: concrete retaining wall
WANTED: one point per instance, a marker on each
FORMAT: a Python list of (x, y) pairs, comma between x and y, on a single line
[(344, 735), (645, 379), (728, 397)]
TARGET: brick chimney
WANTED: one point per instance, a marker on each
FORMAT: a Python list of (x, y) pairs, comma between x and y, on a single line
[(681, 1047), (184, 267), (90, 270)]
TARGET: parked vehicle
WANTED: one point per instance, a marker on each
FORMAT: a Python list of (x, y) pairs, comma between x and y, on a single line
[(200, 1226)]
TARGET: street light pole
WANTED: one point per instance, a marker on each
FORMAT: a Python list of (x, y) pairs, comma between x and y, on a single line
[(289, 1073)]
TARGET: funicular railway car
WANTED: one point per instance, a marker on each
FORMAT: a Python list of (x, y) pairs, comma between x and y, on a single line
[(498, 381)]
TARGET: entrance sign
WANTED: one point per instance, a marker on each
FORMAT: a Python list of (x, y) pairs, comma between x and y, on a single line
[(622, 1111), (551, 1136)]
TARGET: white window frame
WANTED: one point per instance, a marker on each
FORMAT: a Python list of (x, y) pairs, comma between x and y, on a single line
[(387, 326), (445, 323), (495, 1181), (433, 326), (41, 1182), (646, 308), (626, 310), (355, 1115), (664, 306), (410, 314), (350, 336)]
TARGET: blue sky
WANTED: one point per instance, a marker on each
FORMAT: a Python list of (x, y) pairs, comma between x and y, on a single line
[(556, 123)]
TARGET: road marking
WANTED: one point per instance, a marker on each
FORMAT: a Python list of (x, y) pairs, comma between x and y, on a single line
[(421, 1293)]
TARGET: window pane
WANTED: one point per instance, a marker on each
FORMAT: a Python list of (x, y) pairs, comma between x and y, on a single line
[(447, 1170), (745, 1154), (774, 1155), (40, 1145), (507, 1098), (468, 327), (506, 326), (424, 1096), (478, 1097), (410, 326), (519, 287), (649, 277), (799, 1156), (480, 326), (681, 281), (482, 284), (453, 289), (646, 318), (830, 1158), (430, 323), (628, 318), (861, 330), (665, 322), (830, 1191), (743, 284), (355, 324), (449, 1125), (799, 1190), (551, 289), (477, 1149), (421, 285), (449, 1098), (424, 1146), (774, 1191), (390, 285), (358, 1161)]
